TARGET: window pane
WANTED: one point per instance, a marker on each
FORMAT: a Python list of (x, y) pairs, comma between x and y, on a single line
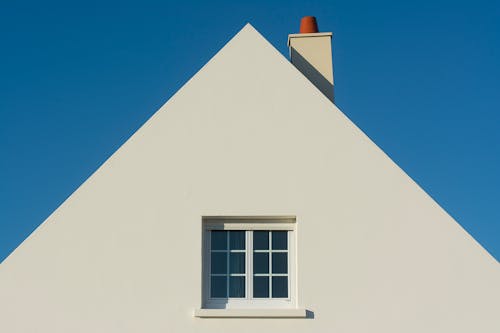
[(219, 239), (280, 240), (219, 262), (237, 240), (237, 262), (280, 263), (261, 240), (237, 286), (260, 286), (218, 287), (280, 287), (261, 263)]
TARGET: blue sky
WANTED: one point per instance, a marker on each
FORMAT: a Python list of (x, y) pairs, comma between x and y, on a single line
[(77, 78)]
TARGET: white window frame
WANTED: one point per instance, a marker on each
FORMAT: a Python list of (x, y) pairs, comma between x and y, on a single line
[(248, 224)]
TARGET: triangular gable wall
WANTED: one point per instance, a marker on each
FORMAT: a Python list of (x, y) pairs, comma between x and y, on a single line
[(249, 135)]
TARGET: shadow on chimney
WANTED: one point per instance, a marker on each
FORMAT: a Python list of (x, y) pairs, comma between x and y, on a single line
[(312, 74)]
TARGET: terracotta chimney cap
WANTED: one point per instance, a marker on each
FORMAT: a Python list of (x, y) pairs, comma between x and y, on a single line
[(308, 25)]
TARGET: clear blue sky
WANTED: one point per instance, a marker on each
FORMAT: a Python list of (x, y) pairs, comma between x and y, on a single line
[(77, 78)]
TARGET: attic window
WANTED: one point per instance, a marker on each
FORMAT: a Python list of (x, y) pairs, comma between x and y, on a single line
[(266, 252), (248, 263)]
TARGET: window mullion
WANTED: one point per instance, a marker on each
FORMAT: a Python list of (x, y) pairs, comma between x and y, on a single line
[(250, 264), (270, 265)]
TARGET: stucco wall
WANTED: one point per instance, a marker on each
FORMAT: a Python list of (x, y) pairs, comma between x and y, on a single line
[(249, 135)]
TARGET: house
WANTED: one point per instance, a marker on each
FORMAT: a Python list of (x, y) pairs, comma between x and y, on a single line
[(250, 203)]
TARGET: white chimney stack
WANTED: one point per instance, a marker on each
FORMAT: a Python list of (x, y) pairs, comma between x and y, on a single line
[(311, 53)]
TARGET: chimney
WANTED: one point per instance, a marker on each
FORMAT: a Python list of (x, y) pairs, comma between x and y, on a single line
[(311, 53)]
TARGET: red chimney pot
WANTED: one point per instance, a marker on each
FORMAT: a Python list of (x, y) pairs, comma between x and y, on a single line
[(308, 25)]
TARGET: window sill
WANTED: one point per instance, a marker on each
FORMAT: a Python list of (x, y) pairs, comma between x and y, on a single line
[(250, 313)]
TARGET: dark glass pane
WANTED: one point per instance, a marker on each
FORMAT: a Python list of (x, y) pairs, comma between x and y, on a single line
[(237, 240), (237, 262), (237, 286), (280, 263), (219, 239), (280, 286), (260, 286), (261, 263), (261, 240), (280, 240), (219, 262), (218, 287)]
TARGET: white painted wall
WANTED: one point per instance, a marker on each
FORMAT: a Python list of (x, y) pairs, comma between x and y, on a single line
[(249, 135)]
